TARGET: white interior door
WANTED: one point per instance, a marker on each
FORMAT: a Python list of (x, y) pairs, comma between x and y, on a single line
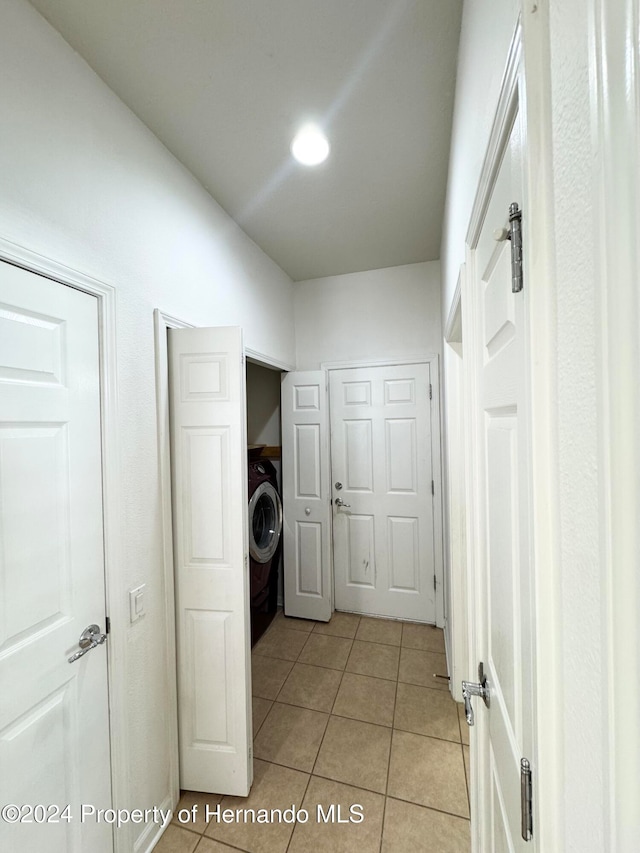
[(381, 473), (504, 594), (54, 719), (306, 496), (209, 472)]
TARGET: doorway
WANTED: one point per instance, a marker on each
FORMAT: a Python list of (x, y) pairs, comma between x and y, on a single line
[(312, 439)]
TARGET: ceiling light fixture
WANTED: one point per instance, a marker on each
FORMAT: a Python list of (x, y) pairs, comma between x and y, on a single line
[(310, 146)]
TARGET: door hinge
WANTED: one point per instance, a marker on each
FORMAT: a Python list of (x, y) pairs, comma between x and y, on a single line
[(107, 625), (430, 391), (526, 800), (515, 235), (434, 584), (433, 488)]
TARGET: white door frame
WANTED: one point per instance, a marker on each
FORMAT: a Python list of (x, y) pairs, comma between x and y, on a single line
[(455, 452), (34, 262), (432, 359)]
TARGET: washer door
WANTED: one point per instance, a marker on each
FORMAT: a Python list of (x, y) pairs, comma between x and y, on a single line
[(265, 523)]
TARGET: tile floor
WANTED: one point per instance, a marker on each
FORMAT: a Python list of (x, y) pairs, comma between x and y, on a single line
[(347, 712)]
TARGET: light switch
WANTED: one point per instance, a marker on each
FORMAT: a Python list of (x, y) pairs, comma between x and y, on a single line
[(136, 602)]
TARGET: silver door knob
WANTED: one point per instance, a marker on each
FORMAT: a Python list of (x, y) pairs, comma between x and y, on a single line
[(89, 639), (340, 502), (471, 688)]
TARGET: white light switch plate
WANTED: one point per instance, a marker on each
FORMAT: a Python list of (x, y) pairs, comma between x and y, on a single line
[(136, 602)]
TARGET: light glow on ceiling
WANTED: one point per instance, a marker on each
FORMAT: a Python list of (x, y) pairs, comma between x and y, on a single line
[(310, 146)]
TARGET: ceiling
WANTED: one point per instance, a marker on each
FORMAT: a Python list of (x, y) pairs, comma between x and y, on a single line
[(225, 84)]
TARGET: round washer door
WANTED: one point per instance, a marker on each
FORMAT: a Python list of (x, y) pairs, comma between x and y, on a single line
[(265, 522)]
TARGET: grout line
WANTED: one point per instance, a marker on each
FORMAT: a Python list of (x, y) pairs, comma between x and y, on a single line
[(430, 808)]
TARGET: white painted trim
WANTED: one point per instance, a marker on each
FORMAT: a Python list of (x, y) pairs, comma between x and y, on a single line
[(549, 815), (452, 327), (383, 362), (455, 461), (263, 360), (433, 360), (502, 124), (615, 63), (161, 323), (111, 489)]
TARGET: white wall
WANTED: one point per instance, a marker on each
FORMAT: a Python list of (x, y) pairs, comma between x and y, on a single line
[(85, 183), (263, 405), (393, 312)]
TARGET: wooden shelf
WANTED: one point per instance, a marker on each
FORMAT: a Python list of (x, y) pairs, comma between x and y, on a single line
[(263, 450)]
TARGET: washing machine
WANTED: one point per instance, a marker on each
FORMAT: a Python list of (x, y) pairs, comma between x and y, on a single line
[(265, 528)]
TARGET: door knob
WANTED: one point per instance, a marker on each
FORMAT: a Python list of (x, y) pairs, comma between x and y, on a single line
[(471, 688), (89, 639), (340, 502)]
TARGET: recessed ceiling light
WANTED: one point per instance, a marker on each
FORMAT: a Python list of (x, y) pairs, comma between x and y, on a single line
[(310, 145)]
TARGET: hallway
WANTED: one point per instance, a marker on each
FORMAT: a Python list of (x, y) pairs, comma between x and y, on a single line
[(347, 712)]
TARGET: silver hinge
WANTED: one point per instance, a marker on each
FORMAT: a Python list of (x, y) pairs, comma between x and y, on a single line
[(515, 235), (430, 391), (433, 488), (526, 800)]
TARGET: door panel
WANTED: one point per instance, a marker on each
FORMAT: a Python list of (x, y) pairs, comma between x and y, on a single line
[(305, 490), (381, 454), (505, 562), (54, 724), (209, 473)]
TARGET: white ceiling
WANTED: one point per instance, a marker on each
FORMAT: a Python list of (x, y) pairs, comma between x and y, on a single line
[(226, 83)]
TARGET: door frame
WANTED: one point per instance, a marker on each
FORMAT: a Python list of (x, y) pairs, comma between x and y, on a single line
[(433, 360), (32, 261), (456, 461)]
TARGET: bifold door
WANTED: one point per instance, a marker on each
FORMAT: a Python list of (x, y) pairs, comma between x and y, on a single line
[(209, 474)]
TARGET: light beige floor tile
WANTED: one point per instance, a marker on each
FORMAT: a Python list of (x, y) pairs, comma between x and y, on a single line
[(413, 829), (364, 698), (321, 837), (291, 736), (261, 708), (294, 624), (356, 753), (208, 845), (323, 650), (429, 772), (311, 687), (177, 840), (464, 725), (268, 675), (374, 659), (427, 638), (467, 768), (425, 711), (379, 631), (280, 642), (274, 787), (341, 625), (188, 801), (418, 667)]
